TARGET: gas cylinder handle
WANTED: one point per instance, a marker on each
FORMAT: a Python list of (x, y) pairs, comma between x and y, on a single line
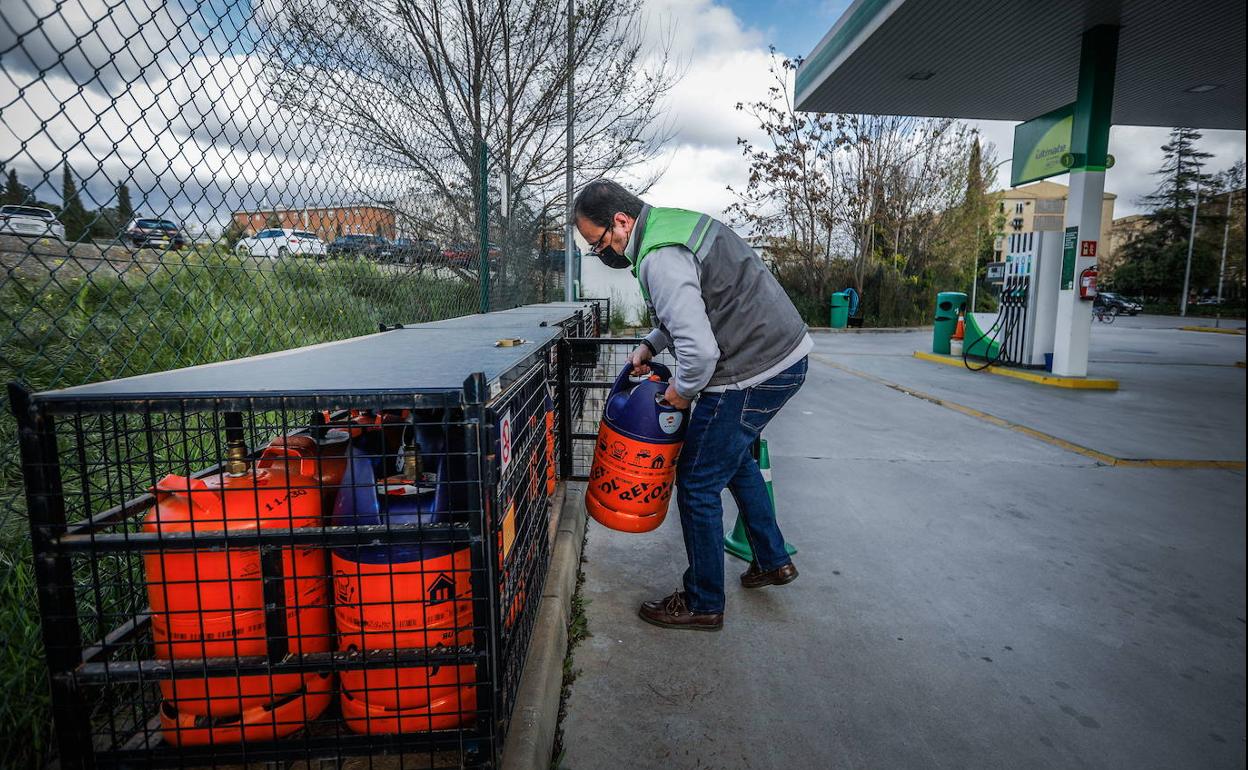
[(288, 452), (623, 377), (185, 485), (660, 370)]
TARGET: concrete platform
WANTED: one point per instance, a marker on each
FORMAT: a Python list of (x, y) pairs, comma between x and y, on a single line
[(969, 596), (1026, 375)]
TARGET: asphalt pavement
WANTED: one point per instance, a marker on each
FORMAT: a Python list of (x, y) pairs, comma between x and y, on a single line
[(971, 595)]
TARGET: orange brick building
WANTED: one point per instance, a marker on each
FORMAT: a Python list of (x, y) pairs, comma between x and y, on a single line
[(328, 222)]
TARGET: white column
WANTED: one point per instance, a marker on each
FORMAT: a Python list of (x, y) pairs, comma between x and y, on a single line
[(1074, 315)]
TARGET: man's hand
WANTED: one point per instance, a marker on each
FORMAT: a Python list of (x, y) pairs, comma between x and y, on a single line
[(675, 399), (638, 358)]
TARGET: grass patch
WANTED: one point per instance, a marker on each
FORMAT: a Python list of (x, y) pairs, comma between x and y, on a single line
[(64, 325), (578, 631)]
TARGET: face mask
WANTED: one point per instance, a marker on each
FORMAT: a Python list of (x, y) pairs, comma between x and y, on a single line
[(612, 258)]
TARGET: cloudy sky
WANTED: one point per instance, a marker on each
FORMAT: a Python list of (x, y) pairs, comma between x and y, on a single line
[(725, 45), (180, 112)]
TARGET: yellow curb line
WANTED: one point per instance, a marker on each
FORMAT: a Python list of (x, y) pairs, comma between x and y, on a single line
[(1052, 380), (1047, 438), (1211, 330)]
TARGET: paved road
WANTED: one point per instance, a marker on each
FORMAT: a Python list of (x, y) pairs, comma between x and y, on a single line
[(969, 596), (1174, 322)]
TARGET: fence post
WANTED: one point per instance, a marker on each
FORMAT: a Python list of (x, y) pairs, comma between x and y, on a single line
[(479, 428), (54, 577), (483, 222), (565, 408)]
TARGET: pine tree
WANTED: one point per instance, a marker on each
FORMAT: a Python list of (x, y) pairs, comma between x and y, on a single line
[(1180, 172), (125, 211), (13, 190), (73, 214), (1153, 264)]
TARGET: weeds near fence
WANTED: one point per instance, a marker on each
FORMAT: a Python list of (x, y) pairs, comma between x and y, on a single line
[(578, 631)]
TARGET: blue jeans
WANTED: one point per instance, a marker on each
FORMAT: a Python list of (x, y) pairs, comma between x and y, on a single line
[(721, 433)]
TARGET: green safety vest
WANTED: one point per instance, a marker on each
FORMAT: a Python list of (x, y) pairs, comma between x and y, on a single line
[(754, 323), (669, 227)]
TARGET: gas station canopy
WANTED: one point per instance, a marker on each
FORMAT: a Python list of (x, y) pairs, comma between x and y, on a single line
[(1178, 63)]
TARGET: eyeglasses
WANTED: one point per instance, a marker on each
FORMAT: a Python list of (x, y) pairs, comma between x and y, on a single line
[(596, 247)]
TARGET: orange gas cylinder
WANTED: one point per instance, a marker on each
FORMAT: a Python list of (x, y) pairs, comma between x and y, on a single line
[(210, 603), (402, 596), (329, 451), (639, 441)]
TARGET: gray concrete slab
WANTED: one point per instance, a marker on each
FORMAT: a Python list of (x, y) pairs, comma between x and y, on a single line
[(1180, 397), (1023, 608)]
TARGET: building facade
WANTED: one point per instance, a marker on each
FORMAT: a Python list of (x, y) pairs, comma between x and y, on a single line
[(328, 222), (1039, 207)]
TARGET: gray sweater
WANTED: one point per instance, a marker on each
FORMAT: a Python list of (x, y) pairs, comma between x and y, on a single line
[(671, 275)]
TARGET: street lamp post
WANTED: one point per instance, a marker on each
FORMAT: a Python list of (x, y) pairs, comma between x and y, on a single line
[(1226, 233), (568, 245), (1191, 241)]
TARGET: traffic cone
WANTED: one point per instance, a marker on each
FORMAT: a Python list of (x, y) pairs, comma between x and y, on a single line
[(737, 544), (958, 339)]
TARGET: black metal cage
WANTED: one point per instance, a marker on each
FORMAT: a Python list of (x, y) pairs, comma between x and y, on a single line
[(302, 557), (593, 365)]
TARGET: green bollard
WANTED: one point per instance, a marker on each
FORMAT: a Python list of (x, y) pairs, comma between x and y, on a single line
[(737, 544)]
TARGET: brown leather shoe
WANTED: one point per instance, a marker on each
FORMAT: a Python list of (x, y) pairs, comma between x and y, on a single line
[(756, 578), (671, 612)]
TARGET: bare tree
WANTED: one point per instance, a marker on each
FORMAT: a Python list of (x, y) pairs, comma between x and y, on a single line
[(846, 199), (421, 83), (790, 198)]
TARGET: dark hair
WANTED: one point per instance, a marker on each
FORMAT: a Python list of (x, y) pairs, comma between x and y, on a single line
[(600, 200)]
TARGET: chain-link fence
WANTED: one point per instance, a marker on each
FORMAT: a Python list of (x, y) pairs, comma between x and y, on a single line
[(191, 182)]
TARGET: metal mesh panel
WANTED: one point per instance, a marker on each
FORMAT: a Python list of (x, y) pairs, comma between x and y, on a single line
[(244, 584), (602, 360), (524, 527), (192, 182), (602, 327)]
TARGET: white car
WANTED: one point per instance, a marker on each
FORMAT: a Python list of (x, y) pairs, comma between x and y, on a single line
[(30, 220), (274, 243)]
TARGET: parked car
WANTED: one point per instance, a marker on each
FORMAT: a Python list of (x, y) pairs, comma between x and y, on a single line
[(1111, 300), (276, 243), (1211, 300), (155, 232), (30, 220), (415, 251), (468, 255), (371, 246)]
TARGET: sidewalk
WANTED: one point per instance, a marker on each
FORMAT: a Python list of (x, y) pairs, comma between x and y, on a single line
[(1003, 604)]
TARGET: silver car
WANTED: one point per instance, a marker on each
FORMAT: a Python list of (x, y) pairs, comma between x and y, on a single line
[(277, 242), (30, 221)]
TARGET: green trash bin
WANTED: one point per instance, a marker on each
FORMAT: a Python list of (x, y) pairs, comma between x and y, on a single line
[(948, 305), (840, 310)]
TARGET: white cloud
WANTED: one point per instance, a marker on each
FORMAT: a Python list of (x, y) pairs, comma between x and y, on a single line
[(724, 63)]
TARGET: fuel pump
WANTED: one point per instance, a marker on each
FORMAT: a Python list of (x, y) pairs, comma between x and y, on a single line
[(1023, 330)]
